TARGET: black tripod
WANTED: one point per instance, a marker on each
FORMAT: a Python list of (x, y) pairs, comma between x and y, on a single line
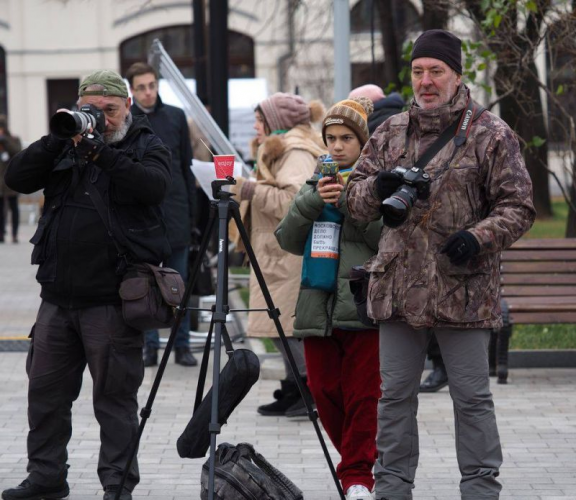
[(222, 208)]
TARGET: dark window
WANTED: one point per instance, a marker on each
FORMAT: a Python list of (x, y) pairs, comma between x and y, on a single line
[(362, 74), (179, 43), (62, 94), (405, 16), (3, 91)]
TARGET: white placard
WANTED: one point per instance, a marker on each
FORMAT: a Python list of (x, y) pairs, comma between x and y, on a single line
[(205, 173)]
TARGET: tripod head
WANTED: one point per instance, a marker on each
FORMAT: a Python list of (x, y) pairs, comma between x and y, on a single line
[(217, 185)]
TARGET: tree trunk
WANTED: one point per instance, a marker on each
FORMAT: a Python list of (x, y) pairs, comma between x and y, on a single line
[(392, 49), (435, 14), (528, 121)]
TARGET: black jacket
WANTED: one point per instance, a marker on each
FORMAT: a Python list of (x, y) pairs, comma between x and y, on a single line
[(384, 109), (169, 123), (77, 257)]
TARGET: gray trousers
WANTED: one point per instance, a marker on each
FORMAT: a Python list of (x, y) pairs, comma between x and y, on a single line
[(63, 342), (478, 451), (297, 350)]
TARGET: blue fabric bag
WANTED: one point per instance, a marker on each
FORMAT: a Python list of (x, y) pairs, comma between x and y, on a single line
[(322, 251)]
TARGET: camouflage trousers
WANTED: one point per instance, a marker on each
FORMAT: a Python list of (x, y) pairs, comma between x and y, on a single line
[(478, 451)]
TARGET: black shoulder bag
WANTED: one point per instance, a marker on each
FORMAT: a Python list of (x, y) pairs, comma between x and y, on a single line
[(149, 293)]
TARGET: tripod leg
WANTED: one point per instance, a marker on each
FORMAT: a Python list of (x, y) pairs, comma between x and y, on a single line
[(219, 318), (274, 314), (180, 312)]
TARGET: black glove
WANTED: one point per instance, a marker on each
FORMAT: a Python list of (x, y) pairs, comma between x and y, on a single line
[(461, 247), (53, 143), (89, 148), (387, 183)]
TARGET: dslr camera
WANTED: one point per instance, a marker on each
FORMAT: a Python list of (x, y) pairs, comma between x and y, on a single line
[(416, 186), (67, 124)]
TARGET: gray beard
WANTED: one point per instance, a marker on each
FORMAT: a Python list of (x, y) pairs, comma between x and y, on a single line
[(119, 134)]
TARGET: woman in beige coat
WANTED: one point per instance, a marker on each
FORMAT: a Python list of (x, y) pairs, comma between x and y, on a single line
[(288, 147)]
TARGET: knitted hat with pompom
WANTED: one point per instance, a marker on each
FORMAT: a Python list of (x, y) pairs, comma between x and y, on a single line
[(352, 113), (284, 111)]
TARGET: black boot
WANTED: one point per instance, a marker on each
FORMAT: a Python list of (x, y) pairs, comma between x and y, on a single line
[(286, 396), (110, 493), (150, 356), (298, 409), (184, 357), (437, 379), (30, 491)]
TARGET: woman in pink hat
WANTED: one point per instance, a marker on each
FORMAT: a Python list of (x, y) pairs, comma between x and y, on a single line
[(286, 150)]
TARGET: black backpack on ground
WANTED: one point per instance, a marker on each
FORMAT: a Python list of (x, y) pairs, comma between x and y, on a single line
[(241, 473)]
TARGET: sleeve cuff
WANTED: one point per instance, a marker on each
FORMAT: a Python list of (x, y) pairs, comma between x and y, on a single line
[(247, 190), (107, 158)]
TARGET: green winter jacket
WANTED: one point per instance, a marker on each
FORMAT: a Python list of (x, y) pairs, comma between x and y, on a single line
[(318, 312)]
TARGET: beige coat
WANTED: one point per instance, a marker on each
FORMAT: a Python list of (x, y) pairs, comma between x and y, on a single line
[(283, 165)]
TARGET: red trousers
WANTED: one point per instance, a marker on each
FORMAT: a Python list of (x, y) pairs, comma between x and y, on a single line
[(344, 379)]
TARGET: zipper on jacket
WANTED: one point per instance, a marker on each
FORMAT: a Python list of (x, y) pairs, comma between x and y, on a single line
[(237, 485), (335, 294)]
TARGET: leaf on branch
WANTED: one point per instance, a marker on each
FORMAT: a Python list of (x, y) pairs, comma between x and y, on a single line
[(536, 142), (481, 66), (531, 6), (390, 88)]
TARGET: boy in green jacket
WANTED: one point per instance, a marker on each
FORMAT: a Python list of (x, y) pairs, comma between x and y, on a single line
[(341, 352)]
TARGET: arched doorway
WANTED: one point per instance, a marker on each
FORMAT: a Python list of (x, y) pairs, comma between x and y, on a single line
[(179, 43)]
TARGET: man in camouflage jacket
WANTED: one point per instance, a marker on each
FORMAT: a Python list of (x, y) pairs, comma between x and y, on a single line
[(439, 270)]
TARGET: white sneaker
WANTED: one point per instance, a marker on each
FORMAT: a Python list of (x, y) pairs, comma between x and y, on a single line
[(358, 492)]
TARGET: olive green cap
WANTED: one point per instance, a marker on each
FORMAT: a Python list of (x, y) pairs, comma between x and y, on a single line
[(112, 82)]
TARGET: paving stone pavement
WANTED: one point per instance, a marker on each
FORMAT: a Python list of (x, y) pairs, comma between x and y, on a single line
[(536, 415)]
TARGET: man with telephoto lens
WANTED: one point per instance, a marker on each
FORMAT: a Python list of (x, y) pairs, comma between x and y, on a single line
[(437, 271), (80, 322)]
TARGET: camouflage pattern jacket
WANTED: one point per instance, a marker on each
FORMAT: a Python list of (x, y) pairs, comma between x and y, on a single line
[(482, 186)]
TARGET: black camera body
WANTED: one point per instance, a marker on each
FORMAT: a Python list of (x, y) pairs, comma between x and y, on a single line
[(67, 124), (416, 186)]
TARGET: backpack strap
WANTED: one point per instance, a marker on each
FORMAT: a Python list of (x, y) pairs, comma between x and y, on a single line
[(279, 479)]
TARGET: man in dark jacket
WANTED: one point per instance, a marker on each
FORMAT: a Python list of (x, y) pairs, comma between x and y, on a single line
[(169, 123), (80, 318), (384, 106)]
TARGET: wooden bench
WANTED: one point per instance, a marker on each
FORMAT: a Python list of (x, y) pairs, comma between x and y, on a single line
[(538, 278)]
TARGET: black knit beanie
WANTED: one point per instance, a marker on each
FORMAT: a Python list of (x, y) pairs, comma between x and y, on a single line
[(439, 44)]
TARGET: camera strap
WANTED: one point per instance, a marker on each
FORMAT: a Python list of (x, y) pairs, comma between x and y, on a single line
[(102, 210), (458, 130)]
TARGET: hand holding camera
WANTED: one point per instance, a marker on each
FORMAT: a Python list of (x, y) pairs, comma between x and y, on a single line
[(331, 184), (387, 183), (90, 146)]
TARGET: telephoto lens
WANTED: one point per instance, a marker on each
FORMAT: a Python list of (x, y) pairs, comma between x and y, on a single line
[(67, 124), (396, 209)]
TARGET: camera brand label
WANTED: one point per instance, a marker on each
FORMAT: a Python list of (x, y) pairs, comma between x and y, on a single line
[(333, 121), (325, 240), (466, 119)]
